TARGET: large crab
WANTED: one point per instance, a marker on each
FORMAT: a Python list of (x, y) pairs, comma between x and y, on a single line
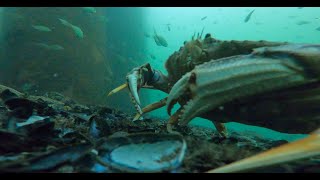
[(269, 84)]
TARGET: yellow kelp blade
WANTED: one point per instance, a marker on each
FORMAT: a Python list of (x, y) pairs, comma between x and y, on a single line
[(118, 89), (304, 148)]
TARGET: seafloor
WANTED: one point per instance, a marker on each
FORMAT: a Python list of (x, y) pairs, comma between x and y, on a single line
[(63, 139)]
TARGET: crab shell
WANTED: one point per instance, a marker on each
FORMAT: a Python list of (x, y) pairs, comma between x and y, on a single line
[(238, 86)]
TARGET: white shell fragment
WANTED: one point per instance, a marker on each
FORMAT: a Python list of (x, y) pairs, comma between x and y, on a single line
[(31, 120), (145, 152)]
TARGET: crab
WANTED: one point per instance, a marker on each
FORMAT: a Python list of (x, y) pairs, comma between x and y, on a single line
[(269, 84)]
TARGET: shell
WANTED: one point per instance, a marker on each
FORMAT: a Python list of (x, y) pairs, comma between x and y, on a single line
[(144, 152)]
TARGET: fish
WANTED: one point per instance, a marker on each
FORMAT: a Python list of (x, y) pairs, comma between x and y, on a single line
[(146, 35), (203, 18), (55, 47), (102, 19), (78, 32), (168, 25), (89, 9), (248, 16), (159, 40), (152, 56), (303, 22), (318, 28), (300, 7), (41, 28)]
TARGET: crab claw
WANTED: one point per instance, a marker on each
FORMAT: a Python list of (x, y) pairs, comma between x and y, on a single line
[(217, 82), (133, 92), (139, 77), (133, 80), (179, 89)]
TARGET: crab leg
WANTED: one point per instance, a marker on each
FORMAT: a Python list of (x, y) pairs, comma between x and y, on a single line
[(173, 120), (151, 107), (221, 128), (304, 148), (123, 86)]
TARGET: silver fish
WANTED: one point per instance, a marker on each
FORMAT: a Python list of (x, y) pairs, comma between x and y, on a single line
[(303, 22), (78, 32), (89, 9), (55, 47), (249, 16), (160, 41), (41, 28)]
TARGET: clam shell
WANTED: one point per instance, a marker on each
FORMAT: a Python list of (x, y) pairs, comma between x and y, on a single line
[(144, 152)]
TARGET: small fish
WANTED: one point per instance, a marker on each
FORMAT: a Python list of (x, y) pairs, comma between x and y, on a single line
[(160, 41), (318, 28), (89, 9), (152, 56), (203, 18), (78, 32), (303, 22), (102, 19), (146, 35), (55, 47), (168, 27), (41, 28), (248, 16), (300, 7)]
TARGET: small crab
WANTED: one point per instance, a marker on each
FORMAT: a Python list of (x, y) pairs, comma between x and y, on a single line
[(270, 84)]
